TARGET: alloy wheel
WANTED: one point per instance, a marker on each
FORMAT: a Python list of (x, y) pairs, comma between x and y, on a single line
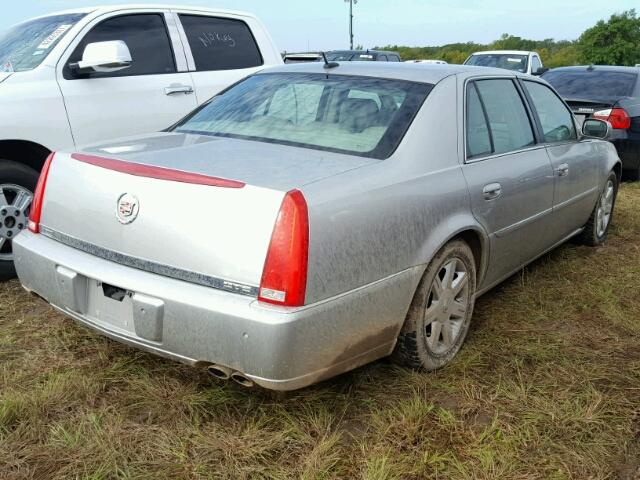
[(447, 306), (15, 202), (605, 208)]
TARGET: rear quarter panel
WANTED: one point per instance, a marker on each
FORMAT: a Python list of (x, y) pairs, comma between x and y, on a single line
[(379, 220)]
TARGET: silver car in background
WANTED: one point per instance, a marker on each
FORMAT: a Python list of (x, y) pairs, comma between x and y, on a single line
[(314, 218)]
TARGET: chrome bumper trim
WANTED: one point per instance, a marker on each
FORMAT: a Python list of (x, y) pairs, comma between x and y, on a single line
[(149, 266)]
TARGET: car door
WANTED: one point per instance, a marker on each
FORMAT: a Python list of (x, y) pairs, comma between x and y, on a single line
[(150, 95), (508, 173), (575, 161), (222, 50)]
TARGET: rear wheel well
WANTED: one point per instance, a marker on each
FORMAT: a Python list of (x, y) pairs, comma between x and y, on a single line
[(473, 239), (28, 153)]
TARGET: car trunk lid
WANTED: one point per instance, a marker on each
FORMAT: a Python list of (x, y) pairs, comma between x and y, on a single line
[(208, 222)]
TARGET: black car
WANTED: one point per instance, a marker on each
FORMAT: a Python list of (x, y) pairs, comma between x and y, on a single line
[(607, 93), (362, 56)]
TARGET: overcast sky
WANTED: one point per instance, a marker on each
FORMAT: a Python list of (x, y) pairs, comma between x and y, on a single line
[(323, 24)]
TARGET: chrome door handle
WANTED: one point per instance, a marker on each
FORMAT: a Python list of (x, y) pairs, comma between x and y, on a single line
[(173, 89), (492, 191), (563, 170)]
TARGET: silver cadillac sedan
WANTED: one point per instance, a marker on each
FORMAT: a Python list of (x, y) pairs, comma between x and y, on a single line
[(313, 218)]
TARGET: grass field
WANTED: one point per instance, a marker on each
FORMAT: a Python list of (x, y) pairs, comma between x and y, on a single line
[(547, 386)]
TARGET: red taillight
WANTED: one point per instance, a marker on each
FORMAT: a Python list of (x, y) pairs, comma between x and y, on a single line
[(617, 117), (38, 196), (284, 278)]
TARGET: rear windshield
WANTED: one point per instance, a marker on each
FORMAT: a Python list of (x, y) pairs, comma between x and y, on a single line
[(518, 63), (592, 83), (355, 115), (26, 45)]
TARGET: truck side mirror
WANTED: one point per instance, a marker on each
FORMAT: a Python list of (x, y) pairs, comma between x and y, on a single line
[(104, 57), (540, 71)]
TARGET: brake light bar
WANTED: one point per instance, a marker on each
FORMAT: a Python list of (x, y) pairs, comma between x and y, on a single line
[(617, 117), (35, 213), (160, 173), (284, 278)]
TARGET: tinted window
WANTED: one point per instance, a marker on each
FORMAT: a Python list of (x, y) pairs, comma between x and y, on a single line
[(478, 140), (556, 120), (356, 115), (220, 43), (500, 60), (26, 45), (591, 83), (382, 58), (508, 120), (147, 39), (394, 58)]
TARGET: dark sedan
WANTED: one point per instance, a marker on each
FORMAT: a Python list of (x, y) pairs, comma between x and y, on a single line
[(607, 93)]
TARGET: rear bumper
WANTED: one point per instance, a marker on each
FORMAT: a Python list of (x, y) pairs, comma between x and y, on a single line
[(278, 348)]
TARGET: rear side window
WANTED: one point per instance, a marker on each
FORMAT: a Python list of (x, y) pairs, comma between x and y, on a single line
[(145, 35), (592, 83), (221, 43), (382, 58), (509, 124), (555, 118), (478, 138)]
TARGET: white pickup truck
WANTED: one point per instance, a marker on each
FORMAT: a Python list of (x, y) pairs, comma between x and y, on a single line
[(87, 75), (518, 60)]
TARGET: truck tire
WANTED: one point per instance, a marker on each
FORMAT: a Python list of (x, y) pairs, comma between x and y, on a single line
[(17, 184)]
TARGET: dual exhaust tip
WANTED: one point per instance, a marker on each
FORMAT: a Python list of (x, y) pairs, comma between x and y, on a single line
[(225, 373)]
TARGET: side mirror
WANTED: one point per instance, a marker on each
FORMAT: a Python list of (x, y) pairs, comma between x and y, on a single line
[(104, 57), (540, 71), (593, 128)]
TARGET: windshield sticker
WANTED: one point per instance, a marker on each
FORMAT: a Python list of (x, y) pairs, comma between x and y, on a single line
[(6, 67), (37, 52), (514, 60), (50, 40)]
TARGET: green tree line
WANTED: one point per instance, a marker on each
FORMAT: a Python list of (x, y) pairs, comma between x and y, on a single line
[(615, 41)]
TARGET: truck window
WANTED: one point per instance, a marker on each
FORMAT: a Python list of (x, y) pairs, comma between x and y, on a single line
[(145, 35), (220, 43)]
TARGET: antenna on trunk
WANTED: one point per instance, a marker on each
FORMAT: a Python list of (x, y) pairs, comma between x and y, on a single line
[(327, 63)]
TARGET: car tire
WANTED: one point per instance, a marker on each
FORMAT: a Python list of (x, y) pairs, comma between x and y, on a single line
[(13, 176), (440, 313), (595, 232)]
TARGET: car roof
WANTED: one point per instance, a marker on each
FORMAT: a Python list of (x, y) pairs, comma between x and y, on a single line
[(414, 72), (99, 9), (595, 68), (503, 52), (362, 51)]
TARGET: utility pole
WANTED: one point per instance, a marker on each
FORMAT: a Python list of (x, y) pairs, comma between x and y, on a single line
[(351, 2)]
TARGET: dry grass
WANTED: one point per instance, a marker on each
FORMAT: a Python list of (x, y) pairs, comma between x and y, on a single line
[(547, 386)]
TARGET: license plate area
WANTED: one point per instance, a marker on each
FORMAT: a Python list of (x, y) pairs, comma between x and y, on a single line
[(110, 306)]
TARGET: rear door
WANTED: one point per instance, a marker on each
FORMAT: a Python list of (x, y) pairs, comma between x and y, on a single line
[(221, 50), (150, 95), (509, 175), (575, 162)]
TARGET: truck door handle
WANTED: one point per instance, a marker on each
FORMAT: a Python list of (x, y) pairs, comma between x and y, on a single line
[(176, 88), (563, 170), (492, 191)]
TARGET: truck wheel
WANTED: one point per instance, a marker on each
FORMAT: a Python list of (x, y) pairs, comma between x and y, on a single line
[(440, 314), (17, 183), (597, 228)]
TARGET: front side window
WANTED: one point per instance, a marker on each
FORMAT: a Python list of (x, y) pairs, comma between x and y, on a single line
[(146, 37), (514, 62), (382, 58), (555, 118), (509, 123), (355, 115), (26, 45), (220, 43)]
